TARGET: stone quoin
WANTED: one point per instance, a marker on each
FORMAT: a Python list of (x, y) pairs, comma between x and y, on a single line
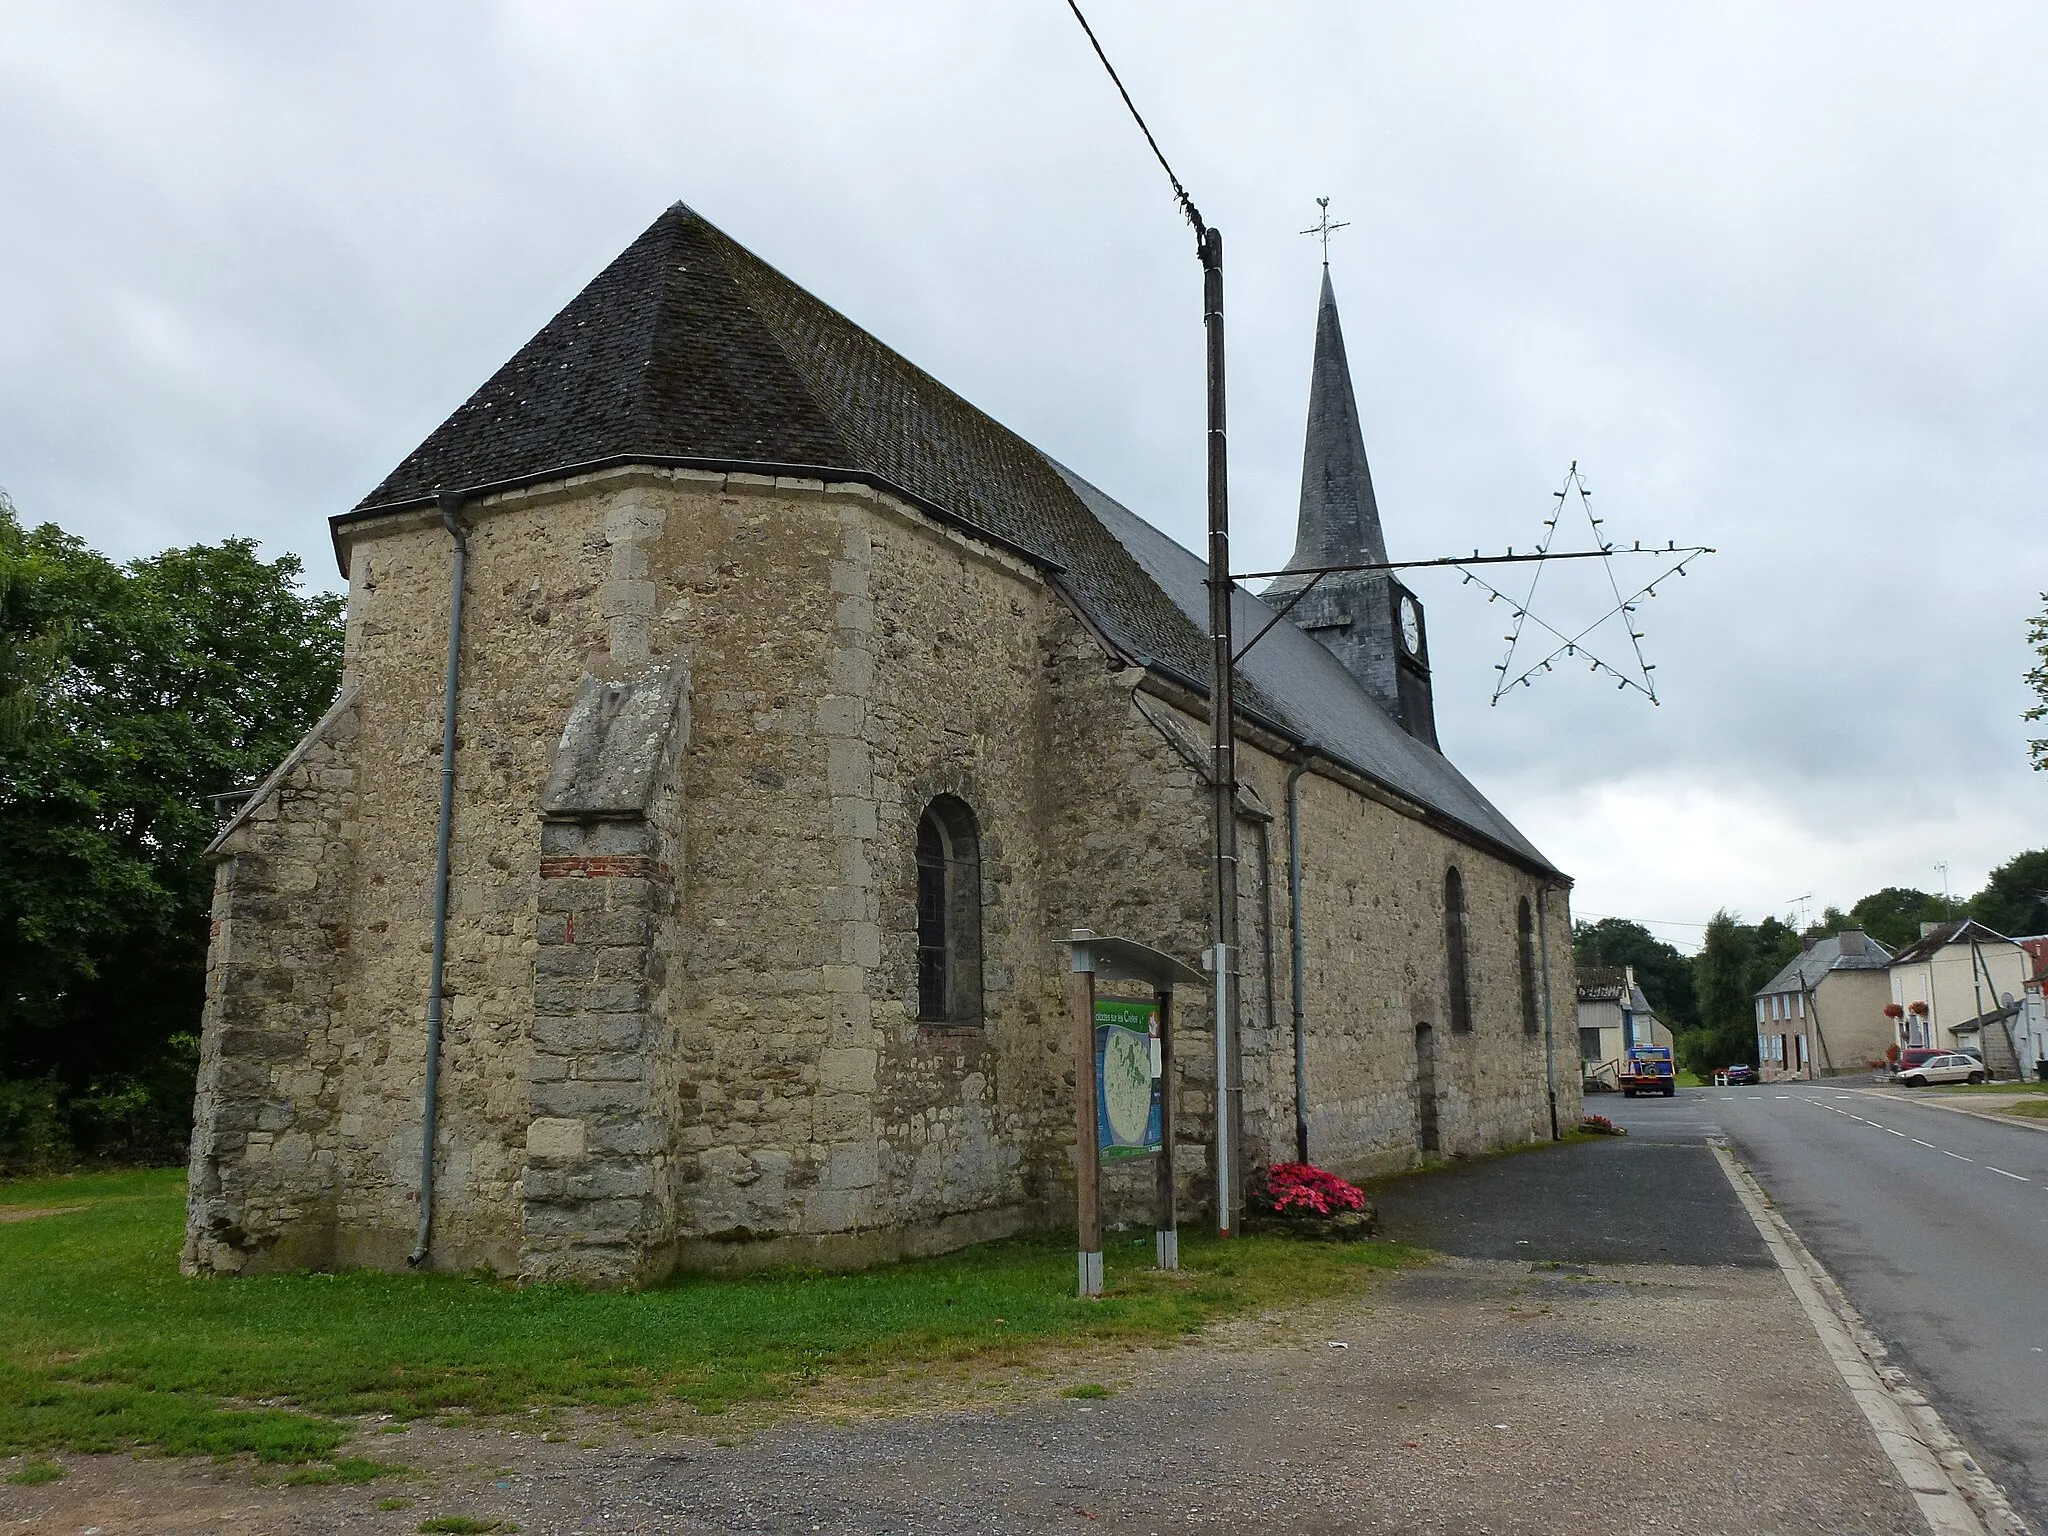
[(803, 708)]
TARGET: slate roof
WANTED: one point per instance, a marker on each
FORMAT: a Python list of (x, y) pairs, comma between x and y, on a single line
[(690, 350), (1602, 984), (1961, 931), (1339, 519), (1804, 971)]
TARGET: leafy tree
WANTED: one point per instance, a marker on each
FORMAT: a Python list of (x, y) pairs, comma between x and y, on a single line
[(172, 678), (1893, 915), (1664, 973), (2037, 637), (2014, 900), (1735, 960), (26, 657)]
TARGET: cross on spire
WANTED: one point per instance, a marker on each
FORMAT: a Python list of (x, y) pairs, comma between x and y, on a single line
[(1325, 228)]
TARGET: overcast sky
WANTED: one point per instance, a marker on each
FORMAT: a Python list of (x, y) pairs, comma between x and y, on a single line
[(1771, 274)]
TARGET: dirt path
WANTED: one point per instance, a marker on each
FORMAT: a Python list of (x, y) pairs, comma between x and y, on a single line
[(1470, 1396)]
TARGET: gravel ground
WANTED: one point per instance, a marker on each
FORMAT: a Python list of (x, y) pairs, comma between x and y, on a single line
[(1470, 1396)]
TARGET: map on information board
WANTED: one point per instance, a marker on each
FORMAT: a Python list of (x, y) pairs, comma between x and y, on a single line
[(1126, 1080)]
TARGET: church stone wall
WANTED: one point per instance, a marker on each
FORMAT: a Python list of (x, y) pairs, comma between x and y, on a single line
[(714, 1060), (1376, 968), (854, 661), (267, 1127)]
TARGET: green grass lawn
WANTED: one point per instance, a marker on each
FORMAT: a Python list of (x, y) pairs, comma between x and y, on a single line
[(2030, 1087), (103, 1344)]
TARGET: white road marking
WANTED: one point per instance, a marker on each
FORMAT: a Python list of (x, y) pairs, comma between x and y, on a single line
[(1900, 1134), (1943, 1503), (1927, 1144), (1957, 1156), (2020, 1176)]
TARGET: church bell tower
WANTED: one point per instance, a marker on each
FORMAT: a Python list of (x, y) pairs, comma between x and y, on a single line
[(1366, 619)]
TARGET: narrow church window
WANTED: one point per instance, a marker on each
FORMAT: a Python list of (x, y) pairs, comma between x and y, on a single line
[(948, 914), (1525, 931), (1454, 951)]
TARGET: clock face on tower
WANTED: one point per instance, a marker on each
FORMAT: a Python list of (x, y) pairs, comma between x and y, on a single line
[(1411, 626)]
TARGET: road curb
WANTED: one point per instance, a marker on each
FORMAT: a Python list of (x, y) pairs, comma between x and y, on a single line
[(1954, 1495)]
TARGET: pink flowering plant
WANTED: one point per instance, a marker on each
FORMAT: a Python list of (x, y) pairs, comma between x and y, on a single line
[(1302, 1189)]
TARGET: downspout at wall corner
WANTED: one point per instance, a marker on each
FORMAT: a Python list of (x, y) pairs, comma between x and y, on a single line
[(1549, 1027), (1309, 750), (450, 504)]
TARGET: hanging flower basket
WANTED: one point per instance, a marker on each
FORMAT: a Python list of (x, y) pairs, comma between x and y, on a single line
[(1306, 1201), (1894, 1011), (1919, 1008)]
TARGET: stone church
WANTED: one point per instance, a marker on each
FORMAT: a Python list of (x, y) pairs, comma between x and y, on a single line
[(788, 712)]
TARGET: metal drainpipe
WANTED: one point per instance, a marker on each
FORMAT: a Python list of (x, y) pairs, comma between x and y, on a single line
[(1549, 1032), (1308, 756), (429, 1113)]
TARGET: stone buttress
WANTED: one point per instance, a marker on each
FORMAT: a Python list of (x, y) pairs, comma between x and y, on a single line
[(597, 1202)]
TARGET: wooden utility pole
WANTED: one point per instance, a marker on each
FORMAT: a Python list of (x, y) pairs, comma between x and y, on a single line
[(1223, 957)]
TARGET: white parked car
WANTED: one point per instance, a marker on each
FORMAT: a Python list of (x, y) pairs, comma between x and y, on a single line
[(1953, 1068)]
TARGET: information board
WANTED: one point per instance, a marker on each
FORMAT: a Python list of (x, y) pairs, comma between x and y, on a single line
[(1126, 1077)]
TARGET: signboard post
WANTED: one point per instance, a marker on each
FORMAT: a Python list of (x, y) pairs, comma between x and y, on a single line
[(1087, 1147), (1123, 1085)]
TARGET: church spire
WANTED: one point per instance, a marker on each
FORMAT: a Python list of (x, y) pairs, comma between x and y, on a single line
[(1366, 619), (1339, 521)]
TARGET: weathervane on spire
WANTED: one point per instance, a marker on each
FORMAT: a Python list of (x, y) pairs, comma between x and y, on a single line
[(1325, 228)]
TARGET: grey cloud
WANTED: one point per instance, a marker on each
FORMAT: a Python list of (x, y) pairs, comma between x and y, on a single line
[(1770, 275)]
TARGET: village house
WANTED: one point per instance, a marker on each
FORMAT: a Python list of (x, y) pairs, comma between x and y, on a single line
[(1950, 989), (1614, 1016), (788, 711), (1824, 1013), (2030, 1028)]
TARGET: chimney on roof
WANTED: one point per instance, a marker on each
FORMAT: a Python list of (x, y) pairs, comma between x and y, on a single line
[(1806, 943), (1853, 942)]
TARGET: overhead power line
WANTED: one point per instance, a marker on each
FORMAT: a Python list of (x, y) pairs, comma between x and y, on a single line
[(1187, 204)]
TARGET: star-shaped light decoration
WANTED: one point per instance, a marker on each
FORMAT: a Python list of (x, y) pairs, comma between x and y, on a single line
[(1517, 669)]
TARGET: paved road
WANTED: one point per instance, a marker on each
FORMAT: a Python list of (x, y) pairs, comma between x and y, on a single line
[(1936, 1225), (1656, 1196)]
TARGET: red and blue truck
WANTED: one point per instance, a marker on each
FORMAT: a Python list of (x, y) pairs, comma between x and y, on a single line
[(1648, 1069)]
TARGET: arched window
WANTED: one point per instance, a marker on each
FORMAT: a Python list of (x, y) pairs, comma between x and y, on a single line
[(1454, 951), (948, 914), (1525, 934)]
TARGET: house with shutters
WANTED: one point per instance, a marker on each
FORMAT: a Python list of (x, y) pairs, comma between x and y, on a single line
[(733, 721), (1824, 1013)]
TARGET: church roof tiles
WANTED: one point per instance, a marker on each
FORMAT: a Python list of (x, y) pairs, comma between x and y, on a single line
[(688, 349)]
